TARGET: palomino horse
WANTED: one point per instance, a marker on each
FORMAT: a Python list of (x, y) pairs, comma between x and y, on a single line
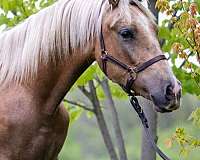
[(41, 59)]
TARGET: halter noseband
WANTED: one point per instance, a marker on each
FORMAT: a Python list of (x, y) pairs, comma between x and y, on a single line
[(133, 71)]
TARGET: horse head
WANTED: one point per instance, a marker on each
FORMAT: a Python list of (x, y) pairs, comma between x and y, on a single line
[(129, 33)]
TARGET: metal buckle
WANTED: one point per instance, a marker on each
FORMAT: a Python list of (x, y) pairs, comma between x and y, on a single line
[(104, 55), (104, 52), (133, 73)]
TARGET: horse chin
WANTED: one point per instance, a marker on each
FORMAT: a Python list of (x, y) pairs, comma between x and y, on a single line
[(161, 110), (159, 107), (166, 107)]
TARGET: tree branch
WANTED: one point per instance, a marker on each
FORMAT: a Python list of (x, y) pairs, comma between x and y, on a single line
[(147, 152), (79, 105), (115, 120), (85, 92), (101, 122), (181, 66)]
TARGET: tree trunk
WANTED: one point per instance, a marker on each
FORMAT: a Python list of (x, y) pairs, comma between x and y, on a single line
[(147, 152), (152, 4), (115, 121), (101, 122)]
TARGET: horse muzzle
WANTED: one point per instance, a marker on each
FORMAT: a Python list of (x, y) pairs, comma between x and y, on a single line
[(170, 100)]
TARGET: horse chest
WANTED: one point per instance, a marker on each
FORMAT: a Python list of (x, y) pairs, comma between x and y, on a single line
[(25, 131)]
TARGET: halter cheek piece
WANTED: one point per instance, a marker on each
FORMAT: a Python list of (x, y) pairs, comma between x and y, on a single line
[(133, 71)]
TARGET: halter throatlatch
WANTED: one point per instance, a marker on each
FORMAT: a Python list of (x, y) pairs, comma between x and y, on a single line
[(133, 71)]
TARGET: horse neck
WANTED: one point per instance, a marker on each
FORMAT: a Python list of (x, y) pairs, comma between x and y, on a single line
[(55, 80)]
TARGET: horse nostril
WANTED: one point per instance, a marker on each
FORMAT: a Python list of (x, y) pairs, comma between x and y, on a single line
[(179, 83), (169, 94), (179, 95)]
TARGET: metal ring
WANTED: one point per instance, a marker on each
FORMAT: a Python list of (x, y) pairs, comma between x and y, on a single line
[(133, 73)]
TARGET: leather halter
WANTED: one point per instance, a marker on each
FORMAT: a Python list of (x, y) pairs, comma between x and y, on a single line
[(133, 71)]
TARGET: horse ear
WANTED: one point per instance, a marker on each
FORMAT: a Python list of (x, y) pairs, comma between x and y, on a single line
[(113, 3)]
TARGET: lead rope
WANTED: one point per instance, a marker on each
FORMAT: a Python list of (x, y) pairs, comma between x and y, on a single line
[(141, 115)]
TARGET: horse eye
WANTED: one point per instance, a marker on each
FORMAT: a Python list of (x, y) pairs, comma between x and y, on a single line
[(126, 34)]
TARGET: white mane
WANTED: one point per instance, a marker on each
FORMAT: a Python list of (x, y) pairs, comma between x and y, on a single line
[(51, 33)]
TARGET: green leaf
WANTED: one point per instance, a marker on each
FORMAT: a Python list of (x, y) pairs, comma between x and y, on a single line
[(87, 75), (75, 114), (100, 92), (117, 91), (188, 82), (164, 32), (89, 114), (74, 111), (195, 117)]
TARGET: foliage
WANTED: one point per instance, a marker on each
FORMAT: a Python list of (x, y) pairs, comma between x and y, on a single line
[(74, 111), (195, 117), (15, 11), (181, 34), (87, 75), (184, 140)]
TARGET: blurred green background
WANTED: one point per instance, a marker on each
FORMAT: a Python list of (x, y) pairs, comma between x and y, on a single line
[(84, 141)]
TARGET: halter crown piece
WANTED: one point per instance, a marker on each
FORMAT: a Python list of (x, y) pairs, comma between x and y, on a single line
[(133, 71)]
